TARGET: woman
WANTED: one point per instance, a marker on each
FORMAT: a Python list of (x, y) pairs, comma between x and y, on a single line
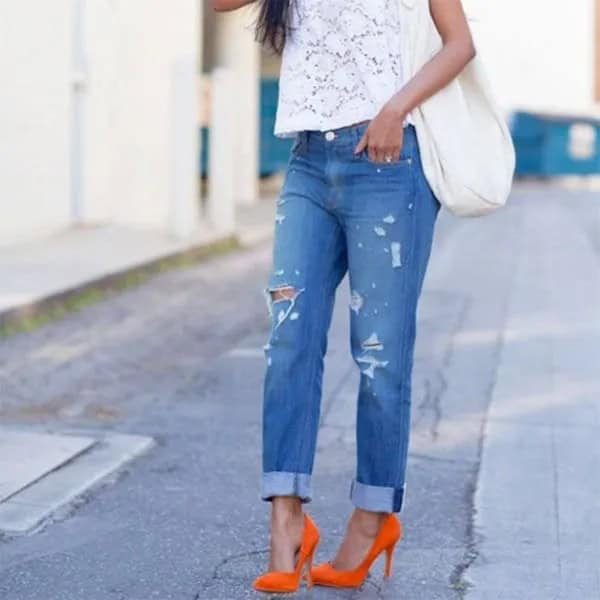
[(355, 199)]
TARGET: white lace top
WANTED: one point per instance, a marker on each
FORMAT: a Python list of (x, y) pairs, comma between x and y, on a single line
[(340, 64)]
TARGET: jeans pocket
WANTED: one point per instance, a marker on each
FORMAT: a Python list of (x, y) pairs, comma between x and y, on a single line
[(403, 160)]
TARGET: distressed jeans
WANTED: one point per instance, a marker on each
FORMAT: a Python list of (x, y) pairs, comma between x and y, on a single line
[(342, 213)]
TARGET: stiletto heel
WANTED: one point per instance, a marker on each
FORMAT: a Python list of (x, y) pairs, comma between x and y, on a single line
[(279, 581), (309, 566), (388, 560), (388, 536)]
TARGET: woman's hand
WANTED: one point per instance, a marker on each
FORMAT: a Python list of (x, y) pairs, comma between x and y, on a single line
[(384, 136)]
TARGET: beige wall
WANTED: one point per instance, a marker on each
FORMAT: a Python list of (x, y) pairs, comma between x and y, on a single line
[(89, 111), (540, 53), (269, 62), (135, 52), (35, 118)]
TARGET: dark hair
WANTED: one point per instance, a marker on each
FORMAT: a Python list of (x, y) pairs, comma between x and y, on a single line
[(272, 27)]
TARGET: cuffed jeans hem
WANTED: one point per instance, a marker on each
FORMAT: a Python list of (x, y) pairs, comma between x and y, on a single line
[(376, 498), (280, 483)]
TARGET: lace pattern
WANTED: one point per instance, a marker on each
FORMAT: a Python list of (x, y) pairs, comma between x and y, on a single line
[(341, 63)]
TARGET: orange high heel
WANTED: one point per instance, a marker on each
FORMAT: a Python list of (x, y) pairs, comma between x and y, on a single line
[(280, 582), (387, 537)]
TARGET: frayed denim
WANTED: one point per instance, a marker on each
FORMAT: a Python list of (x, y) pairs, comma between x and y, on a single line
[(342, 213)]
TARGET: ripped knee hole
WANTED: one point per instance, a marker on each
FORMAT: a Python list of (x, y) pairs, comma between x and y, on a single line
[(283, 293)]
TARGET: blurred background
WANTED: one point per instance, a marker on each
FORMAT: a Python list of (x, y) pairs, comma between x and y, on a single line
[(138, 178), (107, 118)]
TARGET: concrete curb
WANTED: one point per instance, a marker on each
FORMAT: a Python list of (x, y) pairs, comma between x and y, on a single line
[(31, 507), (36, 313)]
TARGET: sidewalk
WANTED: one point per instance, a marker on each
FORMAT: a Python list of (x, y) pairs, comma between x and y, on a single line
[(37, 273), (503, 483), (538, 495)]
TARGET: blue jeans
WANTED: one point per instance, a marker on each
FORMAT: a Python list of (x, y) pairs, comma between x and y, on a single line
[(337, 213)]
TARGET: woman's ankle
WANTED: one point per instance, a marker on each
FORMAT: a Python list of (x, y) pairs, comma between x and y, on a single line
[(286, 512), (366, 523)]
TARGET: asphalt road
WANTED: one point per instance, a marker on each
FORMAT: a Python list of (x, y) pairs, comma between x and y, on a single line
[(180, 359)]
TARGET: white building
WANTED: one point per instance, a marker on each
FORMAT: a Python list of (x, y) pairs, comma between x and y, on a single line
[(541, 54), (99, 113), (88, 111)]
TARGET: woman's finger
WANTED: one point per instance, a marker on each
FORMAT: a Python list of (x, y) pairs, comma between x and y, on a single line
[(362, 144), (373, 152), (393, 152), (382, 153)]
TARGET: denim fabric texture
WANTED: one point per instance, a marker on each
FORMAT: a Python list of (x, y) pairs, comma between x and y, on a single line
[(342, 213)]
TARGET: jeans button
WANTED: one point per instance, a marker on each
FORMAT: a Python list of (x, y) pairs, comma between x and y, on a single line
[(330, 136)]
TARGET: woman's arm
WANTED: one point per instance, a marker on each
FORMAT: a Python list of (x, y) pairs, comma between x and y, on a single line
[(222, 5), (384, 135)]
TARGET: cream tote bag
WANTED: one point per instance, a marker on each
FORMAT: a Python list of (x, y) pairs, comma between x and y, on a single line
[(466, 148)]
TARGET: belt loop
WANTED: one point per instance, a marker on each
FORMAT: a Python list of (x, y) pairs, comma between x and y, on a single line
[(305, 135)]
